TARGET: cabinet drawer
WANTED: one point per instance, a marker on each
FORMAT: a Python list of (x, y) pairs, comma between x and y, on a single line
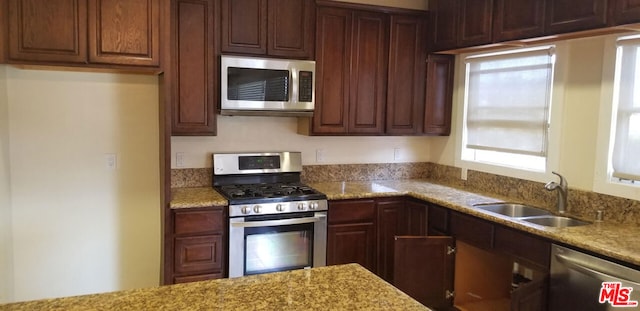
[(209, 221), (352, 211), (523, 246), (438, 219), (198, 254), (473, 230)]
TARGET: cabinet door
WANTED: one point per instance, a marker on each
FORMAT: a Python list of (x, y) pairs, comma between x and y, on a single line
[(405, 87), (351, 243), (475, 20), (333, 59), (291, 28), (438, 220), (368, 75), (416, 216), (124, 32), (444, 24), (392, 221), (244, 26), (439, 94), (424, 268), (518, 19), (574, 15), (198, 254), (194, 68), (624, 11), (48, 31)]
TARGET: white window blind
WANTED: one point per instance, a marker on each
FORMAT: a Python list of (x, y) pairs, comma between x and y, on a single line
[(626, 149), (508, 101)]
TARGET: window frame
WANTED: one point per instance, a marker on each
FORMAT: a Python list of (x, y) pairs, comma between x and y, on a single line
[(554, 131), (603, 181)]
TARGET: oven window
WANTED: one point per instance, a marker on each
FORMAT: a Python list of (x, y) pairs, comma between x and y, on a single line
[(257, 84), (280, 248)]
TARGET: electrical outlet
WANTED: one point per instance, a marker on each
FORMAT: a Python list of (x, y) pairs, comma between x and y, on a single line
[(320, 155), (111, 161), (179, 159), (397, 154)]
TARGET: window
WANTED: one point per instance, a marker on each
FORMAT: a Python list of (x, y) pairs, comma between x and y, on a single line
[(617, 165), (625, 155), (508, 108)]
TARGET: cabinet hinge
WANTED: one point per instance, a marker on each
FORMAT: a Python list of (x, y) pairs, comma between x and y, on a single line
[(451, 250), (449, 294)]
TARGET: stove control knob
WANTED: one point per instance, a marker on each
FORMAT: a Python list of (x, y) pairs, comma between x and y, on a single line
[(313, 205), (301, 206), (257, 209), (279, 208), (245, 210)]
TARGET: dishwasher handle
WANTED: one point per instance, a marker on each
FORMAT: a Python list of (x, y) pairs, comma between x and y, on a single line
[(591, 270)]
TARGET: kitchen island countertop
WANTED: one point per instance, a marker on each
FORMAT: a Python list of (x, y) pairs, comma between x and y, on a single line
[(342, 287)]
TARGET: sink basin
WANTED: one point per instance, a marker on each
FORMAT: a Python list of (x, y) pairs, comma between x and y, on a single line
[(556, 221), (512, 209)]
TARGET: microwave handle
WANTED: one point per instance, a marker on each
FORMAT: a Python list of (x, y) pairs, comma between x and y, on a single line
[(280, 222)]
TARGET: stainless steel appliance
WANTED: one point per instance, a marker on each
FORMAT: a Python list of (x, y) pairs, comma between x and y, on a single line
[(266, 86), (583, 282), (276, 223)]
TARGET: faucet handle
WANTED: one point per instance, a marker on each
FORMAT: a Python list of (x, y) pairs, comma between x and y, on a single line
[(563, 181)]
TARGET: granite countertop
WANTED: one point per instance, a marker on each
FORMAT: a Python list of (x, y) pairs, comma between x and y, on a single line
[(343, 287), (606, 238)]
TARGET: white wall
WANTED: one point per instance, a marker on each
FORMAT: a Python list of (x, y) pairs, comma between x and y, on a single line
[(6, 262), (581, 105), (236, 134), (79, 227)]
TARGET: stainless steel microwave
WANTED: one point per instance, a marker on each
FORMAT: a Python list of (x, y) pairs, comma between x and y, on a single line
[(266, 86)]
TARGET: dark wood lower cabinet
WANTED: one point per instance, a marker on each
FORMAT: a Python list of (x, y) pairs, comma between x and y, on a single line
[(351, 233), (197, 242)]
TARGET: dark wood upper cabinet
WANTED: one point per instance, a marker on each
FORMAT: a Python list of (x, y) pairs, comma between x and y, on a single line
[(291, 28), (244, 26), (444, 24), (48, 31), (574, 15), (405, 86), (102, 32), (368, 92), (281, 28), (333, 59), (194, 68), (124, 32), (351, 70), (624, 11), (518, 19), (475, 19), (439, 93), (4, 25)]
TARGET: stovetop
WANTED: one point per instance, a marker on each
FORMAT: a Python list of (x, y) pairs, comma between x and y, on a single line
[(268, 193)]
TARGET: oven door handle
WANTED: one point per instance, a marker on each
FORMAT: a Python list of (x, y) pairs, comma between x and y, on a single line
[(279, 222)]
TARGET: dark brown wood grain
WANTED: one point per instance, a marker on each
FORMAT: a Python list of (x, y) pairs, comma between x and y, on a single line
[(194, 70), (574, 15), (624, 12), (518, 19), (124, 32), (475, 22), (291, 28), (244, 26), (439, 94)]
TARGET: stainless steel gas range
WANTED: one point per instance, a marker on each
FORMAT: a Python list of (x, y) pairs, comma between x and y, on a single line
[(276, 223)]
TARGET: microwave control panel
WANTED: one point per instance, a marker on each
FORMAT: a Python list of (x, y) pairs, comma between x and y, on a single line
[(305, 86)]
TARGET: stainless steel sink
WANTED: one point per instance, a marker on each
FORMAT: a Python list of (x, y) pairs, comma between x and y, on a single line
[(512, 209), (556, 221)]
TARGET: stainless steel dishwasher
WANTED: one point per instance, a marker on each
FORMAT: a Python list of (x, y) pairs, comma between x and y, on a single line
[(583, 282)]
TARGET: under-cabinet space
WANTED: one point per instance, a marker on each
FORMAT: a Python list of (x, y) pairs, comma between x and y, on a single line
[(444, 273)]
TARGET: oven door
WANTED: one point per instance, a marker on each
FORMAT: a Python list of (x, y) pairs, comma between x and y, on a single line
[(261, 244)]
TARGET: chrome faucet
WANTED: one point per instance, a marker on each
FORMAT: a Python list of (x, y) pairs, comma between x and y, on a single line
[(562, 192)]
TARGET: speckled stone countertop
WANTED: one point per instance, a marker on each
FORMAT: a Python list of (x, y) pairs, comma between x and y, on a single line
[(610, 239), (343, 287)]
